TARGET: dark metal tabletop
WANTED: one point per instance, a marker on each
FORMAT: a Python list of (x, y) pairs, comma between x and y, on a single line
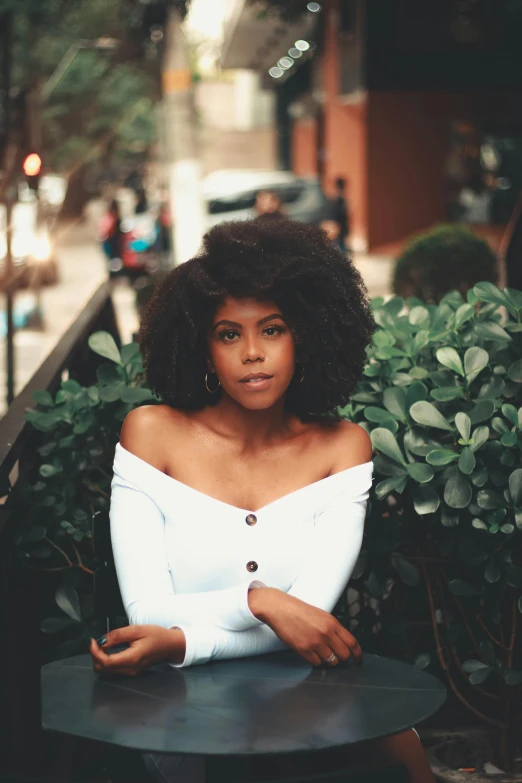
[(268, 704)]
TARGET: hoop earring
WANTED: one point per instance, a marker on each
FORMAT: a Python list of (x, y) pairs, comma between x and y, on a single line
[(211, 391), (302, 376)]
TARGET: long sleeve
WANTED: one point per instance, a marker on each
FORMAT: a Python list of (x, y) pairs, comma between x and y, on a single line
[(138, 543), (333, 552)]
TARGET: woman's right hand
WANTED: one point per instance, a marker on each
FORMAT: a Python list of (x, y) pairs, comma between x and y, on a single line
[(309, 631)]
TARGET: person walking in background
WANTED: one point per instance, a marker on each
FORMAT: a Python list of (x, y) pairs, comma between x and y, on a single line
[(331, 225), (342, 210), (268, 205), (112, 238)]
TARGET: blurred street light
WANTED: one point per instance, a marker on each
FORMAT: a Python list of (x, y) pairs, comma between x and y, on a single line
[(104, 43)]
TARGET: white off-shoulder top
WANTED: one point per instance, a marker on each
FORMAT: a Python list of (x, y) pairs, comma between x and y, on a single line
[(187, 560)]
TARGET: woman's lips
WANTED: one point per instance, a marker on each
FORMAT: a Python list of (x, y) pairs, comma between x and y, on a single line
[(257, 384)]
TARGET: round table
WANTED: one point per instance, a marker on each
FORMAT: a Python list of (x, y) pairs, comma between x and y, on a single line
[(269, 704)]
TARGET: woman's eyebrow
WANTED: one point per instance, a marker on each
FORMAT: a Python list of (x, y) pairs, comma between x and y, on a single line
[(226, 322)]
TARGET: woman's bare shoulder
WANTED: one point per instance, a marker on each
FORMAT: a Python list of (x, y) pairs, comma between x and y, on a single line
[(351, 445), (147, 429)]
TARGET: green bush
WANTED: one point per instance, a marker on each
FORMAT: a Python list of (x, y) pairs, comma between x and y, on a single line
[(447, 258), (440, 573), (441, 398), (79, 428)]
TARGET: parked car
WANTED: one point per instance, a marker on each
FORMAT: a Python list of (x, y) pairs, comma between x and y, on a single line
[(231, 194)]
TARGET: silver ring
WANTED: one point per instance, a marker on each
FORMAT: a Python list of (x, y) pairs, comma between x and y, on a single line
[(331, 659)]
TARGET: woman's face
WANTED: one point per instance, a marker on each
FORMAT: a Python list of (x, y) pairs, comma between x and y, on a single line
[(252, 352)]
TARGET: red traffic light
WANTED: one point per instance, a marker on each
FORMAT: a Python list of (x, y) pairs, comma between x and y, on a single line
[(32, 165)]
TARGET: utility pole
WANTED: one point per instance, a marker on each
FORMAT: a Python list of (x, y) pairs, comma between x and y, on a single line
[(181, 142), (7, 27)]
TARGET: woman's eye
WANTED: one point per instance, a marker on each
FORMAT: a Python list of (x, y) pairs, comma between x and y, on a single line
[(228, 335), (273, 330)]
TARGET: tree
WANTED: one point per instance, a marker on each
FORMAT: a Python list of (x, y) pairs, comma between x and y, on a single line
[(101, 111)]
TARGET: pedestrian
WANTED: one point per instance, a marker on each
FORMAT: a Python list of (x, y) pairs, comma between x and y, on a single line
[(330, 223), (342, 211), (112, 237), (268, 205)]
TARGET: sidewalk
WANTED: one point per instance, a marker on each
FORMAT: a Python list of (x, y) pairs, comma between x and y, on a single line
[(81, 269)]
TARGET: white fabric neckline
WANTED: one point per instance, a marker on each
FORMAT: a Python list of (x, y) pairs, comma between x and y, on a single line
[(288, 495)]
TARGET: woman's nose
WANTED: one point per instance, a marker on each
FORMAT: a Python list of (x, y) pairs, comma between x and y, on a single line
[(252, 349)]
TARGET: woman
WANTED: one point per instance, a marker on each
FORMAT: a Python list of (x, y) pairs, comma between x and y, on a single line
[(238, 505)]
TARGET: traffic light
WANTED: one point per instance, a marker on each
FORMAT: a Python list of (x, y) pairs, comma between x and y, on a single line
[(32, 167)]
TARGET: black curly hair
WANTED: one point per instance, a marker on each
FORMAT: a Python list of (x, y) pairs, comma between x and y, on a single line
[(320, 293)]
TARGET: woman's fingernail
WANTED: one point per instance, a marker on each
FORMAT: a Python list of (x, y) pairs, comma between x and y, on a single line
[(101, 641)]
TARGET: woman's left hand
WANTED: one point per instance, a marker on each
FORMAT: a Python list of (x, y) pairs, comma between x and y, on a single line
[(149, 644)]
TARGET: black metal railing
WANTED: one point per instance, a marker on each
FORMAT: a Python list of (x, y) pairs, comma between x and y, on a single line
[(22, 745)]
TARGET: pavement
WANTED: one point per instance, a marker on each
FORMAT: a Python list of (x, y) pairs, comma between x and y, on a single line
[(81, 270)]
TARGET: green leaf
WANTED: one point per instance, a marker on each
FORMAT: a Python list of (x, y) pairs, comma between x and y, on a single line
[(371, 413), (478, 524), (446, 393), (476, 678), (419, 315), (112, 392), (71, 386), (475, 359), (463, 314), (425, 500), (482, 411), (420, 472), (479, 437), (466, 461), (511, 413), (383, 440), (43, 398), (393, 484), (422, 661), (488, 499), (425, 413), (457, 492), (441, 457), (487, 292), (104, 345), (515, 371), (450, 358), (394, 400), (408, 572), (509, 439), (67, 599), (490, 330), (472, 665), (463, 424), (415, 392), (418, 373), (492, 571), (109, 373), (129, 352), (515, 487), (461, 588), (513, 677), (46, 471), (138, 394)]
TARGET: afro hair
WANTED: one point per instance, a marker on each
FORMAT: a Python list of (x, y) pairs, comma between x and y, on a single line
[(320, 293)]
